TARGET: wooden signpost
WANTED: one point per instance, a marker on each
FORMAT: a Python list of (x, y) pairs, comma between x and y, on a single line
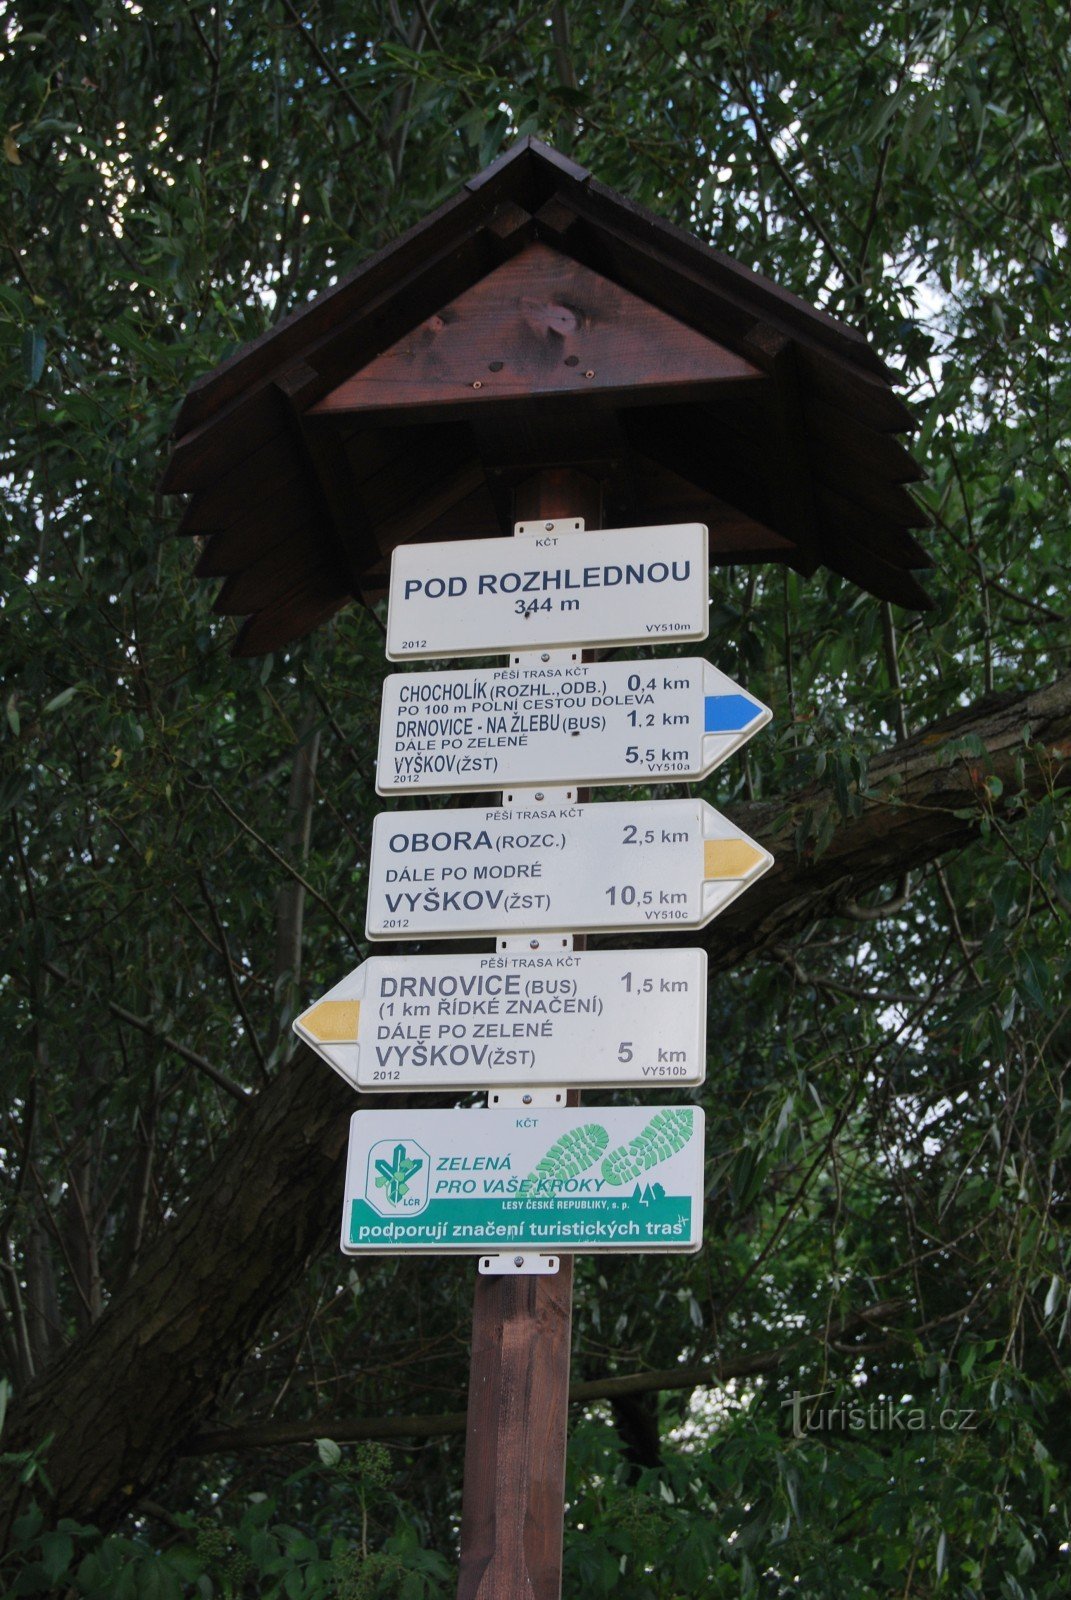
[(525, 1185), (538, 352)]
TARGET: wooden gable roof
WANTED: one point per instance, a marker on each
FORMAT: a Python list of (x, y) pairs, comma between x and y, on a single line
[(538, 318)]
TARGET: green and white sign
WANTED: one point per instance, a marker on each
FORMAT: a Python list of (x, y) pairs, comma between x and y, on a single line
[(589, 1178)]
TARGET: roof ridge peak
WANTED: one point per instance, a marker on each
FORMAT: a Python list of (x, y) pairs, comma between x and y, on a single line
[(529, 145)]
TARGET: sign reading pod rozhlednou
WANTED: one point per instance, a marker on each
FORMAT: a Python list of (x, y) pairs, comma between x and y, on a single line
[(584, 1179), (475, 597), (518, 1017), (546, 869)]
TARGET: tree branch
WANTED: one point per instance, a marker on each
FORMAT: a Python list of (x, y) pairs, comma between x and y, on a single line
[(280, 860), (146, 1026), (231, 975), (708, 1375), (321, 60), (922, 801)]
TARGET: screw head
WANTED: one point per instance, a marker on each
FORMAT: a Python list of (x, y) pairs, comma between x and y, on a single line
[(548, 527), (590, 373), (477, 384), (526, 1099), (518, 1261), (545, 656), (533, 944)]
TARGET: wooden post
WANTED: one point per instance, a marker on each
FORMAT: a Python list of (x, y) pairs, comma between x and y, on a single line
[(513, 1505), (513, 1501)]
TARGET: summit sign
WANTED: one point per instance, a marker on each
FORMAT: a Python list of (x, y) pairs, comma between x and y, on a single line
[(479, 597)]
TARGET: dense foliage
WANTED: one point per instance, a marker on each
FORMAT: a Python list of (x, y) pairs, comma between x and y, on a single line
[(888, 1125)]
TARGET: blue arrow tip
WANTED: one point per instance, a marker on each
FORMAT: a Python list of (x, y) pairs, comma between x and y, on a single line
[(729, 713)]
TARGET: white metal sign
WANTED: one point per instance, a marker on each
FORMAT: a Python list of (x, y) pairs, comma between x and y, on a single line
[(617, 722), (474, 597), (587, 1178), (583, 868), (608, 1017)]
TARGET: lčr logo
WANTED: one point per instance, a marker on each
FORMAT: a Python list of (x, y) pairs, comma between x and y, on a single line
[(397, 1176)]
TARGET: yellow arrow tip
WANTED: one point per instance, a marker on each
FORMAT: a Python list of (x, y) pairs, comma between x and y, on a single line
[(730, 858), (333, 1021)]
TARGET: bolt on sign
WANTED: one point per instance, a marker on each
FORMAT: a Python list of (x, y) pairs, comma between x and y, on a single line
[(474, 597), (541, 723), (608, 1017), (578, 868), (588, 1178)]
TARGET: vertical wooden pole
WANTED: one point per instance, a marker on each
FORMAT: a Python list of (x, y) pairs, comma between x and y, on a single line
[(513, 1501)]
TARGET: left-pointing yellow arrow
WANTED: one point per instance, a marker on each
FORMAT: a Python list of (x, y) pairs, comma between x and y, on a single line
[(333, 1021), (730, 858)]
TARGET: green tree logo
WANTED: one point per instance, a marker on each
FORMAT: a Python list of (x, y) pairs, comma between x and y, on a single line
[(394, 1175)]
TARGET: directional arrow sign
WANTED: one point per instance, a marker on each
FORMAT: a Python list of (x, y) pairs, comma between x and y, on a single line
[(618, 722), (587, 1178), (608, 1017), (476, 597), (536, 869)]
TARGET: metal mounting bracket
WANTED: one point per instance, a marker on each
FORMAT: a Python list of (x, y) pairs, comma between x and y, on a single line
[(548, 795), (545, 658), (532, 942), (552, 526), (525, 1264), (516, 1098)]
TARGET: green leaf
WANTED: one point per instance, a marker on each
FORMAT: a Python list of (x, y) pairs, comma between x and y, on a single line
[(157, 1580), (329, 1452), (34, 348), (64, 697), (57, 1553), (25, 1528), (31, 1579), (184, 1560), (263, 1548), (1052, 1298)]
